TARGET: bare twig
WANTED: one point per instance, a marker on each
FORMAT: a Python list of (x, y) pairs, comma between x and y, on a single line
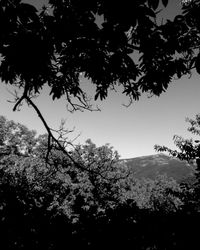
[(49, 130), (77, 164), (84, 103), (51, 138)]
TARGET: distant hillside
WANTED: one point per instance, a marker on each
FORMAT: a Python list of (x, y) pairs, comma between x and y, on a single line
[(153, 165)]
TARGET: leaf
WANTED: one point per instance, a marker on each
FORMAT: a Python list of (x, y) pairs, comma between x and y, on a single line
[(145, 11), (28, 8), (153, 4), (197, 64), (165, 2), (96, 96), (192, 62)]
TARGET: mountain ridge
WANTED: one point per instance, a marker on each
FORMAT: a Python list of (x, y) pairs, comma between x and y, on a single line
[(150, 166)]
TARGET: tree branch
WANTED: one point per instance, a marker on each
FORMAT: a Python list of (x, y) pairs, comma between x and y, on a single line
[(50, 133), (19, 102), (24, 96), (51, 136), (79, 165)]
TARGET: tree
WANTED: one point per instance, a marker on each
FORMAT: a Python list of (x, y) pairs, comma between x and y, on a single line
[(162, 194), (188, 150), (37, 198), (125, 45), (53, 205), (68, 40), (16, 138)]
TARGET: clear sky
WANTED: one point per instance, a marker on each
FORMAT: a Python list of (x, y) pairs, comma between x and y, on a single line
[(131, 131)]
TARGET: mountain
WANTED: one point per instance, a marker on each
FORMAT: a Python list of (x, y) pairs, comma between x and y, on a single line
[(159, 164)]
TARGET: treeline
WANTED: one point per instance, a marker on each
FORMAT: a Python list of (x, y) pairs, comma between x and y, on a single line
[(53, 203)]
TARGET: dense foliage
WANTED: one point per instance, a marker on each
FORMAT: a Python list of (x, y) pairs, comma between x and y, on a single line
[(54, 205), (189, 150), (110, 43)]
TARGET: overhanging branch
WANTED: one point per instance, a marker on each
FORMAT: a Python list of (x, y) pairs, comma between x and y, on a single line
[(51, 137), (50, 133)]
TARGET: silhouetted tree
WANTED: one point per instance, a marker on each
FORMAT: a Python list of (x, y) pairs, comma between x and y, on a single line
[(68, 38), (55, 45), (110, 43)]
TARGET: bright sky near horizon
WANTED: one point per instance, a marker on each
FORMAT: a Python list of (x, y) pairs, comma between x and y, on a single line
[(131, 131)]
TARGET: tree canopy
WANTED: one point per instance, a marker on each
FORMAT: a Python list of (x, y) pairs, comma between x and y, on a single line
[(52, 206), (188, 150), (110, 43)]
